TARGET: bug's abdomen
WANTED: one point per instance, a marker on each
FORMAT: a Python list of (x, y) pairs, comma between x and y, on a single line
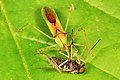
[(50, 15)]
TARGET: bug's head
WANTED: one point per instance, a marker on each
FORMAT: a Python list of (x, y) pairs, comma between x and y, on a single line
[(82, 68)]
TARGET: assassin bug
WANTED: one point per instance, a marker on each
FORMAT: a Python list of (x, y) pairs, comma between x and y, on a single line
[(60, 36), (69, 65)]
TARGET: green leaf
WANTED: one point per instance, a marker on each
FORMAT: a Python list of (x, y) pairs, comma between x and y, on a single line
[(110, 7), (17, 54)]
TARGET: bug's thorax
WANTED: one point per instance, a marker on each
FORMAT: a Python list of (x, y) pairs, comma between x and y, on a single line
[(57, 31), (58, 34), (55, 26)]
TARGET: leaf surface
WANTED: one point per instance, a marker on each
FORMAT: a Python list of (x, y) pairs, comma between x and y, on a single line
[(17, 55)]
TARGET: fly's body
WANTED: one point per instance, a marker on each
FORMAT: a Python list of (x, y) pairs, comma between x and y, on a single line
[(69, 65)]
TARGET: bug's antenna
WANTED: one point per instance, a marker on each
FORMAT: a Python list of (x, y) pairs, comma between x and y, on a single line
[(95, 44), (71, 9)]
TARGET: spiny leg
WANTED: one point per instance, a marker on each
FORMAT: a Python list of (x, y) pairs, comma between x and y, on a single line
[(36, 40), (82, 52), (28, 24), (51, 62), (92, 48), (86, 39), (40, 51), (95, 44), (64, 48), (62, 63), (71, 45), (33, 39), (71, 9), (64, 54), (86, 43), (76, 53), (52, 47)]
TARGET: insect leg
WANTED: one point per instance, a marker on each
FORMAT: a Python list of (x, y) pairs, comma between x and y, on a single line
[(86, 39), (51, 61), (71, 9), (76, 53), (64, 54), (52, 47), (28, 24), (88, 45), (87, 42), (36, 40), (62, 63), (82, 52)]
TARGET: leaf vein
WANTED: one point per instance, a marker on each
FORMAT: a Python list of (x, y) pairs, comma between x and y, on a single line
[(15, 40)]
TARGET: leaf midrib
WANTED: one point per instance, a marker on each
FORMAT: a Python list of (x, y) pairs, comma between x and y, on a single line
[(15, 40)]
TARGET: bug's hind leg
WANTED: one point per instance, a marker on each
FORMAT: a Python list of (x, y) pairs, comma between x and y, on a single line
[(51, 61), (79, 58), (87, 42)]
